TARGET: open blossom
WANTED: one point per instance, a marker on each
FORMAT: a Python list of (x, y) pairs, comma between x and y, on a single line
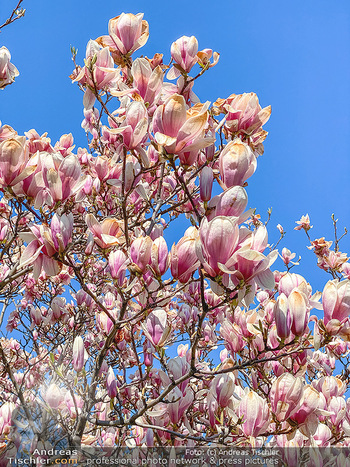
[(44, 242), (304, 223), (127, 33), (8, 71), (62, 176), (107, 233), (98, 72), (204, 57), (287, 257), (254, 411), (147, 83), (178, 132), (285, 395), (245, 118), (135, 125)]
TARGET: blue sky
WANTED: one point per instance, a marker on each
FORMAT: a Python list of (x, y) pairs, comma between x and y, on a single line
[(294, 54)]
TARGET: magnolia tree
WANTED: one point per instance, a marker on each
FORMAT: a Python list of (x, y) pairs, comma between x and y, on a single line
[(116, 338)]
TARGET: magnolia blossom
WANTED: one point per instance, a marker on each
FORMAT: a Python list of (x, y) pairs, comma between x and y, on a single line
[(127, 33), (157, 328), (285, 395), (179, 133), (98, 72), (237, 163), (254, 411), (13, 161), (78, 353), (183, 257), (8, 71), (105, 234), (245, 118), (336, 300), (304, 223), (184, 53)]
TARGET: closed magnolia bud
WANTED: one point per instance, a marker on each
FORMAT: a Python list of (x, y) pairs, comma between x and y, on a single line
[(78, 354), (183, 257), (53, 396), (206, 183), (184, 52), (336, 300), (111, 383), (232, 202), (237, 163), (140, 252), (282, 317), (117, 264)]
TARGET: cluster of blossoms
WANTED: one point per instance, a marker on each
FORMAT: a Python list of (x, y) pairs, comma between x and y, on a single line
[(122, 340)]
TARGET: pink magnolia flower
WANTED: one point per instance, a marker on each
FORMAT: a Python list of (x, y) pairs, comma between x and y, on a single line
[(204, 57), (62, 176), (146, 81), (140, 252), (8, 71), (245, 118), (13, 161), (53, 396), (252, 267), (237, 163), (285, 395), (206, 183), (232, 202), (184, 53), (65, 144), (36, 142), (61, 231), (127, 33), (105, 234), (183, 257), (282, 317), (289, 282), (40, 251), (336, 300), (255, 413), (157, 328), (78, 354), (179, 403), (176, 131), (218, 241), (160, 259), (287, 257), (291, 314), (118, 263), (134, 128), (304, 223), (98, 73), (223, 388), (308, 404), (330, 386), (111, 383)]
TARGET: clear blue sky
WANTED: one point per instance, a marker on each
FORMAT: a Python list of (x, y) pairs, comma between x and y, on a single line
[(293, 53)]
